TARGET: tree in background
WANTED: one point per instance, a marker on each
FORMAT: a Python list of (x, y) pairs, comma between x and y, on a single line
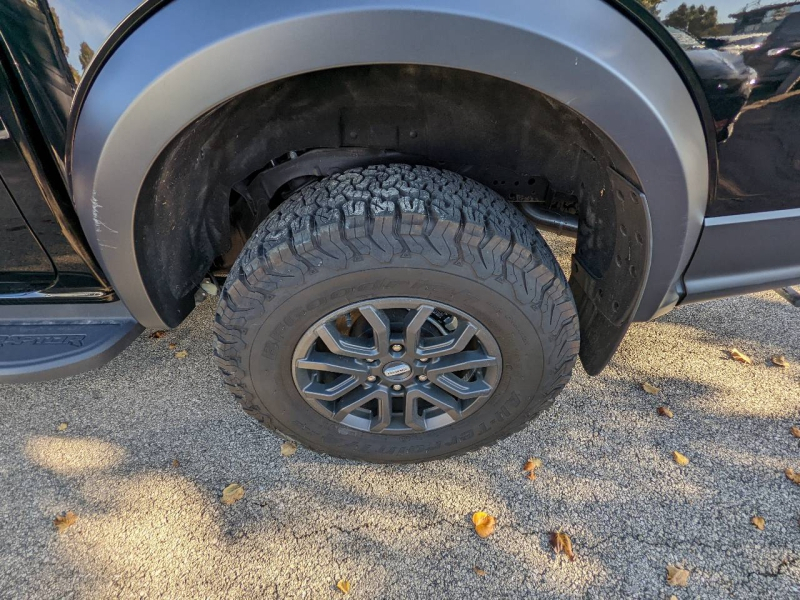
[(697, 20), (86, 55), (652, 6)]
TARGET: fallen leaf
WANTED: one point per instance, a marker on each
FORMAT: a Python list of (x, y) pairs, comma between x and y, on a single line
[(533, 463), (479, 572), (673, 597), (175, 463), (157, 335), (484, 524), (61, 522), (561, 543), (792, 476), (531, 476), (62, 427), (665, 412), (680, 459), (677, 576), (650, 389), (758, 522), (344, 586), (779, 360), (288, 448), (741, 357), (795, 431), (172, 345), (232, 493), (181, 354)]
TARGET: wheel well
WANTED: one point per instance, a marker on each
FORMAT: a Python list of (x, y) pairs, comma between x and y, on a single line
[(216, 180)]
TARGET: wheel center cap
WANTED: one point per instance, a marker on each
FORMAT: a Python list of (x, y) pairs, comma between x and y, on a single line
[(396, 370)]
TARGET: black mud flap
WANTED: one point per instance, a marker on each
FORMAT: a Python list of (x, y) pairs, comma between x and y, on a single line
[(609, 268)]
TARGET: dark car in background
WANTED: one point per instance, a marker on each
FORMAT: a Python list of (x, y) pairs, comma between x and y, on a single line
[(363, 184)]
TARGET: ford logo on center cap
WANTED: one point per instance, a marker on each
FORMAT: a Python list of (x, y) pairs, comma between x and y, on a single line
[(396, 369)]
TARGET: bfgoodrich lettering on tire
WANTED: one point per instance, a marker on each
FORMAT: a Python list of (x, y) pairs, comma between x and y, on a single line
[(395, 314)]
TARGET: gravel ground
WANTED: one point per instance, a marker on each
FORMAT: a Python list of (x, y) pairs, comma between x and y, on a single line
[(147, 528)]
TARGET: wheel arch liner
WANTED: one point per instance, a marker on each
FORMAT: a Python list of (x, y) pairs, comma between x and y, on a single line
[(190, 56)]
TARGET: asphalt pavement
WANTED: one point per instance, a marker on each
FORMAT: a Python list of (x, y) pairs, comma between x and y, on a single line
[(151, 440)]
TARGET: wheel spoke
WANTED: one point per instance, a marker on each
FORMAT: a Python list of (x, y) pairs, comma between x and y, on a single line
[(344, 345), (437, 397), (381, 328), (331, 391), (358, 398), (462, 361), (448, 344), (333, 363), (460, 388), (413, 323)]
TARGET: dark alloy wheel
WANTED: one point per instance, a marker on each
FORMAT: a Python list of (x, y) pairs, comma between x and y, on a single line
[(397, 365), (395, 314)]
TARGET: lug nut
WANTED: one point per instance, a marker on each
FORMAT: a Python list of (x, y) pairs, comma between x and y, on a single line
[(397, 387), (397, 348), (423, 378), (371, 378)]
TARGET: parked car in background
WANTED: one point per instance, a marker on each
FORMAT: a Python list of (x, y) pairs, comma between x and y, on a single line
[(364, 185)]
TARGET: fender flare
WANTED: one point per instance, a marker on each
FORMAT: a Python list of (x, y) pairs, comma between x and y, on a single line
[(192, 55)]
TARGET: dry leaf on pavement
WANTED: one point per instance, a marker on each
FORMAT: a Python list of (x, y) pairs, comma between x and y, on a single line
[(232, 493), (175, 463), (677, 576), (680, 459), (344, 586), (172, 345), (62, 427), (779, 360), (795, 431), (181, 354), (288, 448), (61, 522), (740, 356), (484, 524), (530, 467), (792, 476), (478, 571), (561, 543), (157, 335), (650, 389), (665, 412), (758, 522)]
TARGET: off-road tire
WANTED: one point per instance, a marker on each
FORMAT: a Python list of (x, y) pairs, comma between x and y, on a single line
[(389, 231)]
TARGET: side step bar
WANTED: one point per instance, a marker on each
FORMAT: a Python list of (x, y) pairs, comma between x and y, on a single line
[(49, 341)]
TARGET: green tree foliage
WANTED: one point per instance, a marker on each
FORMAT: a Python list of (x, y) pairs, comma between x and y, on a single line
[(652, 6), (86, 55), (697, 20)]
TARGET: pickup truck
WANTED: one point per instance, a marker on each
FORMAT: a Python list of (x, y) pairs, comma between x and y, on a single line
[(363, 186)]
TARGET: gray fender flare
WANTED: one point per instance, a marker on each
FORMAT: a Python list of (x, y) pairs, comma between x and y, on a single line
[(191, 55)]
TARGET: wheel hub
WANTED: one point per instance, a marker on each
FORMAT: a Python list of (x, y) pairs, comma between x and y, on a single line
[(397, 365)]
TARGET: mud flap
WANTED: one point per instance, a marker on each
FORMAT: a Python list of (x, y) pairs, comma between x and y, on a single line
[(609, 268)]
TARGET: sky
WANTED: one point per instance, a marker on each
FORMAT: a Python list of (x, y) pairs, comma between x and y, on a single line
[(724, 7)]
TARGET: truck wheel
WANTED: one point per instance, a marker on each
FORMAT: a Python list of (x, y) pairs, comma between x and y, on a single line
[(395, 314)]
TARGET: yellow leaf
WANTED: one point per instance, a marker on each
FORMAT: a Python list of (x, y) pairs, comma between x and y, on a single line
[(665, 412), (288, 448), (531, 464), (780, 361), (677, 576), (650, 389), (680, 459), (157, 335), (795, 431), (758, 522), (62, 427), (741, 357), (181, 354), (479, 572), (61, 522), (232, 493), (344, 586), (792, 476), (172, 345), (673, 597), (484, 524), (561, 543), (531, 476)]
